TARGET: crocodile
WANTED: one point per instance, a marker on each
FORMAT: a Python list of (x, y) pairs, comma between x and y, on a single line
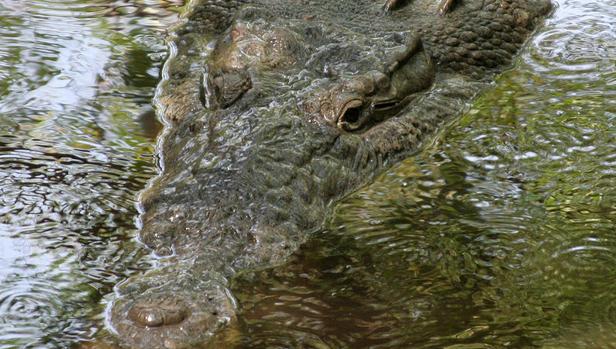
[(277, 109)]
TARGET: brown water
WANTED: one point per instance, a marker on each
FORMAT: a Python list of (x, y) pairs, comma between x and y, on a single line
[(77, 137), (500, 234)]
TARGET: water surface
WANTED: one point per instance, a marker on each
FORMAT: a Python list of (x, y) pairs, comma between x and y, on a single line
[(500, 234), (77, 136)]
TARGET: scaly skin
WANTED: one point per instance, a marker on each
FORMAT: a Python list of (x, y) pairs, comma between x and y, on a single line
[(277, 109)]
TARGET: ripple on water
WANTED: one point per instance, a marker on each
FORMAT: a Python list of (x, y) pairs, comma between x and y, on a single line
[(500, 235), (579, 46), (76, 140)]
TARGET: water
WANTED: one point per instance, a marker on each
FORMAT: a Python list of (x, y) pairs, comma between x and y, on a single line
[(77, 136), (500, 234)]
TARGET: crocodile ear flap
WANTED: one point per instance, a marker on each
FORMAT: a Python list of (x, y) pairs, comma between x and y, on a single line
[(224, 89)]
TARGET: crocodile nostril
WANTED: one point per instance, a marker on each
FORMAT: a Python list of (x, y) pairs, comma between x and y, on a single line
[(157, 314)]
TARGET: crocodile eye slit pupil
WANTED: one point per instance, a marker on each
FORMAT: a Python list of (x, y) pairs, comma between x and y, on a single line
[(385, 105), (351, 115)]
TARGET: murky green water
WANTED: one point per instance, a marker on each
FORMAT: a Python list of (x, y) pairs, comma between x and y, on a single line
[(500, 234), (76, 140)]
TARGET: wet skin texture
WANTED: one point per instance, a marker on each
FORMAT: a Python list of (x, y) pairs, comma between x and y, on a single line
[(276, 110)]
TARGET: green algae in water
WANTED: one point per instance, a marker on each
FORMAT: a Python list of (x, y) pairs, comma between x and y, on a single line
[(501, 234)]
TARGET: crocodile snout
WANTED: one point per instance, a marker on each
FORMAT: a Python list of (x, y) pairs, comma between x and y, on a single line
[(156, 313), (171, 308)]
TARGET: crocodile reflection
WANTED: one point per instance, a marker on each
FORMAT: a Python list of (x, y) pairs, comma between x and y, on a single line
[(278, 109)]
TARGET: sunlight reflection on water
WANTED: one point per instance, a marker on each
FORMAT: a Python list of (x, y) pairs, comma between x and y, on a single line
[(76, 145), (499, 235)]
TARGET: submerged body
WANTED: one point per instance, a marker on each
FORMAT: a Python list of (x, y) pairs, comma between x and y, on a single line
[(279, 108)]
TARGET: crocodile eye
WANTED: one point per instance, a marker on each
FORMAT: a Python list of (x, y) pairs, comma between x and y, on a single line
[(352, 116), (357, 115)]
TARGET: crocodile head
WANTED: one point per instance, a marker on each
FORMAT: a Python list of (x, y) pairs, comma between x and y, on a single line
[(292, 106)]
